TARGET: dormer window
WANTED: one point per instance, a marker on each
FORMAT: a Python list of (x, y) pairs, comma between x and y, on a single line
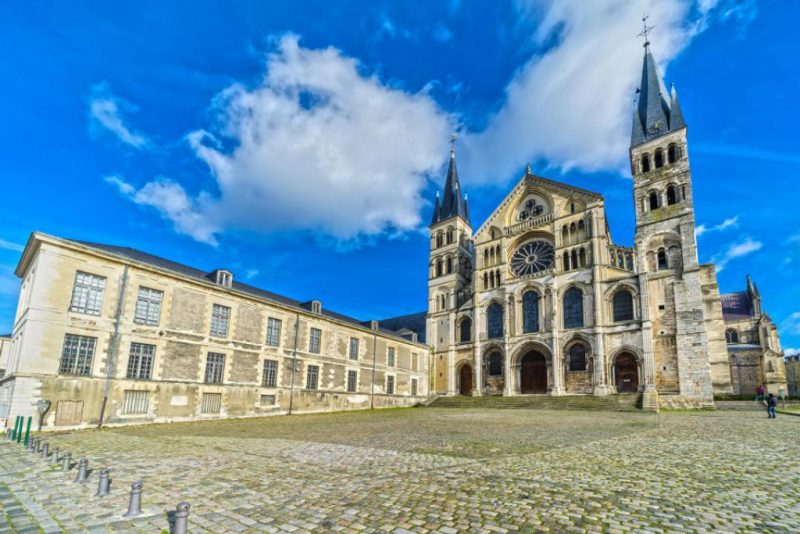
[(223, 277), (316, 306)]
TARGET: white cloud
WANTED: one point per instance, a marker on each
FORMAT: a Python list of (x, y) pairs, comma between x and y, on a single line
[(9, 245), (572, 104), (317, 146), (736, 250), (731, 222), (106, 111), (791, 325), (791, 352)]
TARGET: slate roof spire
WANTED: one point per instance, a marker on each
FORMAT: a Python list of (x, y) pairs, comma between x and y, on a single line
[(657, 111), (454, 203)]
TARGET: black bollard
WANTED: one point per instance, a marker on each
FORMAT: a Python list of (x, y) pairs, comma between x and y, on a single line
[(32, 444), (66, 462), (83, 467), (181, 524), (54, 457), (46, 450), (135, 502), (103, 483)]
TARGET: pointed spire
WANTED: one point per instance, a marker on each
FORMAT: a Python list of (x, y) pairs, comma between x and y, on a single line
[(436, 209), (676, 115), (528, 170), (657, 112), (466, 206), (453, 202)]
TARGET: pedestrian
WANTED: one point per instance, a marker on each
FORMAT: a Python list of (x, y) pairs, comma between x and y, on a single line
[(772, 402), (760, 393)]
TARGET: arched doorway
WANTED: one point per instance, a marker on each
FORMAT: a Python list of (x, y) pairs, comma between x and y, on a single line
[(465, 380), (626, 373), (533, 373)]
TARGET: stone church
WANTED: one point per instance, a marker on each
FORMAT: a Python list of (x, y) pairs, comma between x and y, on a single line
[(539, 299)]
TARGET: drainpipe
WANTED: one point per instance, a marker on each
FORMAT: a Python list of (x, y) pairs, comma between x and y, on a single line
[(294, 361), (114, 349), (374, 352)]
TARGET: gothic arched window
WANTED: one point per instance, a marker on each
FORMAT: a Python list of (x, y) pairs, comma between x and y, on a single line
[(485, 280), (466, 329), (577, 357), (494, 320), (439, 242), (566, 261), (530, 311), (659, 158), (439, 267), (495, 364), (645, 162), (731, 336), (582, 257), (672, 153), (574, 259), (672, 195), (662, 260), (573, 308), (449, 265), (623, 306), (653, 200)]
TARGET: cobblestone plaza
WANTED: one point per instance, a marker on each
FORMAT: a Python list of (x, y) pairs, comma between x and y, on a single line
[(423, 470)]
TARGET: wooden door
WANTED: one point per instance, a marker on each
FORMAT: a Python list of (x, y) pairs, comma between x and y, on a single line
[(69, 413), (626, 374), (466, 380), (533, 374)]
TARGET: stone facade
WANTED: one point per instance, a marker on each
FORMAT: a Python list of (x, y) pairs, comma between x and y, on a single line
[(89, 346), (540, 300)]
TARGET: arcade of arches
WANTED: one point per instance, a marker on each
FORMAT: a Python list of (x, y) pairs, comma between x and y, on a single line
[(532, 373)]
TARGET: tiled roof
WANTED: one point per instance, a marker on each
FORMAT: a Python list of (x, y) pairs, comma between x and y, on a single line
[(737, 306), (414, 322), (737, 347), (197, 274)]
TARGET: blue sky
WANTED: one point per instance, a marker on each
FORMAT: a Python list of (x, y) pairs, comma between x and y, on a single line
[(300, 144)]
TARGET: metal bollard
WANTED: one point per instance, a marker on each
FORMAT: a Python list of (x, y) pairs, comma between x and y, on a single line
[(135, 502), (66, 462), (181, 523), (46, 450), (83, 467), (33, 443), (54, 457), (38, 448), (103, 483)]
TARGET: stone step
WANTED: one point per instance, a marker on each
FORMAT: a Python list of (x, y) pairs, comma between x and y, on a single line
[(624, 402)]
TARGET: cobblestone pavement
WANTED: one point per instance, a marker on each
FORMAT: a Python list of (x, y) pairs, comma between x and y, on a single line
[(424, 470)]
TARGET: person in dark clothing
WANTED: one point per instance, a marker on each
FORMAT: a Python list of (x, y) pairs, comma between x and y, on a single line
[(760, 393), (772, 402)]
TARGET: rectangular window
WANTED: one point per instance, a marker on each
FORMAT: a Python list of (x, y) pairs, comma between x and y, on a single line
[(76, 358), (212, 403), (270, 376), (215, 368), (273, 332), (390, 357), (140, 361), (315, 340), (312, 377), (220, 315), (353, 348), (352, 380), (267, 400), (135, 402), (414, 386), (87, 293), (148, 306), (390, 385)]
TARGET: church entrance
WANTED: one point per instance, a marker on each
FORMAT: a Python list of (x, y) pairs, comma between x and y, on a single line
[(533, 373), (626, 373), (465, 380)]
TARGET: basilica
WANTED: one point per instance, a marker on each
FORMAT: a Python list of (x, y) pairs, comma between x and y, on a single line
[(539, 299)]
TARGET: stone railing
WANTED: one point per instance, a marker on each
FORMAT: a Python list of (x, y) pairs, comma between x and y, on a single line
[(530, 224)]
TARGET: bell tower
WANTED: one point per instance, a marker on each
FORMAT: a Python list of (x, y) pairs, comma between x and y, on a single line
[(449, 274), (675, 341)]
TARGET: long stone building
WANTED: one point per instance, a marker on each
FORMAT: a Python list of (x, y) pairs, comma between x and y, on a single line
[(112, 334), (540, 300)]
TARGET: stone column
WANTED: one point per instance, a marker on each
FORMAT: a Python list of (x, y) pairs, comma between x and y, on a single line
[(556, 388), (477, 360), (650, 397)]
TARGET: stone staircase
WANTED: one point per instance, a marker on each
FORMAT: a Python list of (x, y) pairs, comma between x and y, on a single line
[(617, 403)]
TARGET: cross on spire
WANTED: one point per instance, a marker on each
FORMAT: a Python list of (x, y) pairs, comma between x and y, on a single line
[(453, 137), (645, 30)]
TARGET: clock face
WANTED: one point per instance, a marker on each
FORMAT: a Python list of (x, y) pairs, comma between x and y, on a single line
[(532, 257)]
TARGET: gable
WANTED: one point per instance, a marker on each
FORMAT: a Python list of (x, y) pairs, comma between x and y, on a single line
[(534, 197)]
